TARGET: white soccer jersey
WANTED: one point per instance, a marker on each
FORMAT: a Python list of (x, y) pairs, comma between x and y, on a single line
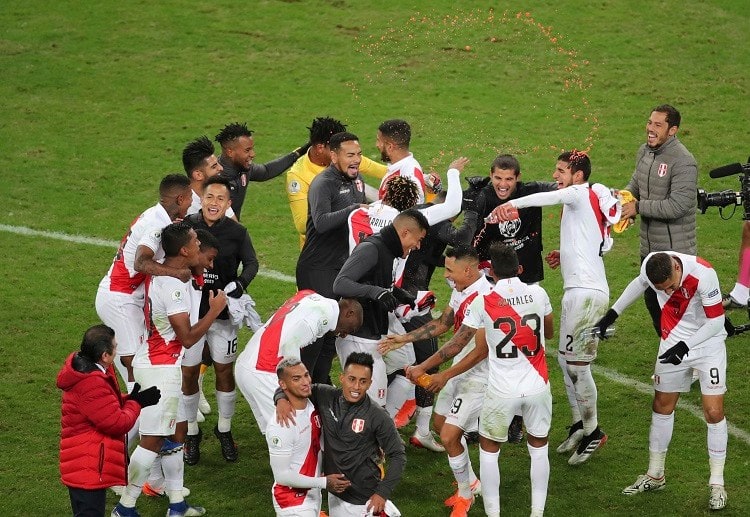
[(302, 319), (165, 296), (459, 302), (364, 222), (145, 230), (300, 445), (408, 167), (512, 315), (587, 211), (195, 205)]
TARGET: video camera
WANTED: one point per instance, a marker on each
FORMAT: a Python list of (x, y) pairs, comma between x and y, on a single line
[(728, 197)]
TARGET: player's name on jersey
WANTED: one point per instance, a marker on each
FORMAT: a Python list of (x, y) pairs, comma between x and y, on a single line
[(517, 300)]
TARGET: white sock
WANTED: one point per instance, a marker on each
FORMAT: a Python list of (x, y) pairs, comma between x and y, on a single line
[(174, 476), (472, 475), (138, 472), (585, 395), (398, 393), (539, 473), (659, 437), (717, 451), (460, 467), (489, 470), (191, 407), (740, 293), (424, 414), (570, 390), (156, 476), (226, 400)]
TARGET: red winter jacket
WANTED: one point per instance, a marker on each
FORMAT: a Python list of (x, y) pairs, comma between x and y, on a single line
[(95, 419)]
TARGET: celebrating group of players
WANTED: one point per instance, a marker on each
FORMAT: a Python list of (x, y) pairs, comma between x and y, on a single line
[(363, 278)]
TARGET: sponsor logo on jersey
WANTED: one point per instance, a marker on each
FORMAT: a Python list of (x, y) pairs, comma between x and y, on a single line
[(381, 393), (316, 421), (358, 425), (662, 171)]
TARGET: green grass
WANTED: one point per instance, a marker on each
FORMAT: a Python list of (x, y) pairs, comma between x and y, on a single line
[(99, 99)]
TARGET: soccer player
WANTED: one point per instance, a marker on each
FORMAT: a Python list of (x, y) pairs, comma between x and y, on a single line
[(302, 319), (459, 402), (235, 248), (236, 159), (313, 162), (393, 139), (692, 339), (357, 434), (157, 362), (295, 451), (200, 163), (588, 210), (119, 298)]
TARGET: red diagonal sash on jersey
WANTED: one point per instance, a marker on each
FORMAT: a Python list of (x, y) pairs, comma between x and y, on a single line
[(458, 318), (359, 225), (270, 341), (289, 496), (677, 304)]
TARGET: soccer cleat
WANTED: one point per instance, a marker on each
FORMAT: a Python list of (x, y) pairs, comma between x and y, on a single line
[(203, 405), (730, 303), (191, 449), (150, 491), (322, 514), (645, 483), (228, 447), (183, 509), (718, 499), (461, 506), (515, 430), (426, 442), (476, 490), (575, 434), (124, 511), (588, 445), (405, 414)]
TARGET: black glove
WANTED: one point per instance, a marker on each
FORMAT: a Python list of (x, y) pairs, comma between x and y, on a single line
[(301, 150), (387, 300), (145, 398), (606, 321), (403, 296), (675, 354), (234, 289)]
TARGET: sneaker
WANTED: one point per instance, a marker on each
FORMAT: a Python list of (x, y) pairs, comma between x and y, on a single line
[(203, 405), (124, 511), (476, 490), (183, 509), (461, 506), (730, 303), (200, 418), (150, 491), (192, 449), (718, 499), (426, 442), (645, 483), (515, 430), (588, 445), (405, 414), (575, 435), (228, 447)]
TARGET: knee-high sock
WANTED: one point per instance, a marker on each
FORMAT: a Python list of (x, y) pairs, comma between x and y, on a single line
[(226, 400), (539, 473), (489, 471), (399, 390), (191, 411), (659, 437), (570, 389), (460, 467), (585, 395), (717, 451), (424, 415), (174, 476), (138, 472), (156, 475), (472, 474)]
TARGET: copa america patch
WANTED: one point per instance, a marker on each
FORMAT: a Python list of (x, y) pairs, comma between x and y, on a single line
[(177, 295), (294, 187), (358, 425), (275, 442), (662, 171)]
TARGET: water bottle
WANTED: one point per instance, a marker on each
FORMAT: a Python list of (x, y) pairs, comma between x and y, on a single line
[(424, 380)]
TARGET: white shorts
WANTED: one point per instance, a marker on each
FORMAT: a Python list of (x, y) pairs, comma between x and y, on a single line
[(581, 309), (710, 361), (460, 402), (222, 341), (497, 413), (401, 357), (194, 354), (160, 419), (297, 512), (340, 508), (379, 387), (258, 389), (124, 313)]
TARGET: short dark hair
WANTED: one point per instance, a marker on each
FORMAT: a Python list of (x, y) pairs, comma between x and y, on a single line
[(401, 193), (417, 216), (462, 252), (97, 340), (323, 128), (339, 138), (578, 161), (506, 162), (172, 183), (232, 132), (174, 237), (195, 153), (288, 362), (208, 239), (218, 180), (673, 116), (360, 358), (659, 267), (398, 131), (504, 260)]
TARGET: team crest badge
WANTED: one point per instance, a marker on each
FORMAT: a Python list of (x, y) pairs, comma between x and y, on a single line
[(243, 180), (662, 171), (358, 184), (358, 425)]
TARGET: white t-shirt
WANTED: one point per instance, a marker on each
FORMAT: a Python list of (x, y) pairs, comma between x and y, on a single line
[(407, 167), (459, 302), (512, 315)]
